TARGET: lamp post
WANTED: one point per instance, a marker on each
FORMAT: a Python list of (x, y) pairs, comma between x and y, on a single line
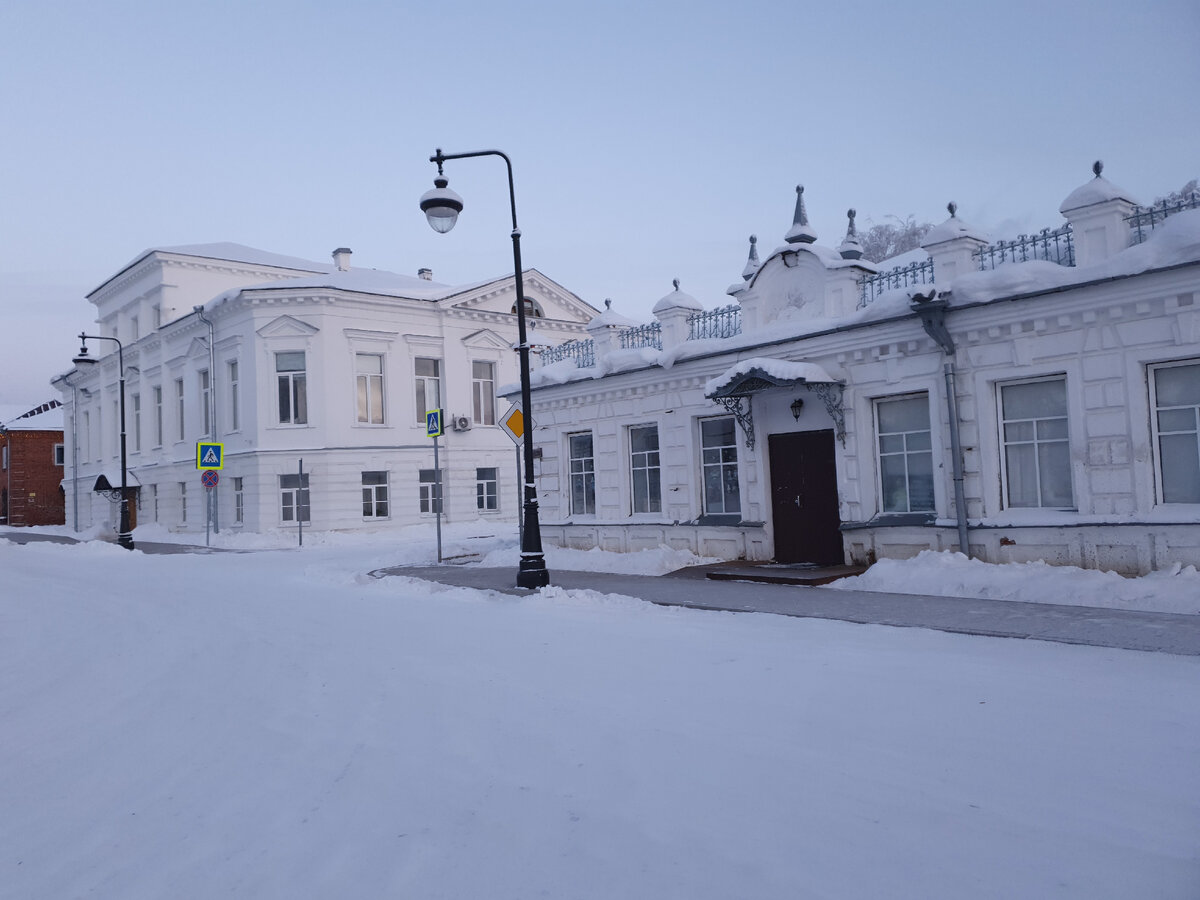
[(124, 532), (441, 207)]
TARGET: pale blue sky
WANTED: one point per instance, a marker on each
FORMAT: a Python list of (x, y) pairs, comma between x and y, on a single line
[(649, 140)]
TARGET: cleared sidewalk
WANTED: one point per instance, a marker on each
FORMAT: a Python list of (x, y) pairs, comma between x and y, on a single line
[(1124, 629)]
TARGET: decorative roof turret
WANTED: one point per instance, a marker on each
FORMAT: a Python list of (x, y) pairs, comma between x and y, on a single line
[(800, 232), (610, 318), (851, 248), (1098, 190), (677, 299), (752, 262), (952, 228)]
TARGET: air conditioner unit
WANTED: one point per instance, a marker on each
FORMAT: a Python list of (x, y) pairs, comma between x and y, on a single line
[(460, 423)]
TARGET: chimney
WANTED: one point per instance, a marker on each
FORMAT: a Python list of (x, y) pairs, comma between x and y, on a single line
[(425, 274), (341, 259)]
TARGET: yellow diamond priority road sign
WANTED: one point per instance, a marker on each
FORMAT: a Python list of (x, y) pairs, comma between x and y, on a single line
[(513, 423)]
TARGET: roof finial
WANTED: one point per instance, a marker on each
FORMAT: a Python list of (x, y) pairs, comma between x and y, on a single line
[(800, 232), (608, 303), (1098, 167), (675, 281), (752, 263), (952, 208), (851, 248)]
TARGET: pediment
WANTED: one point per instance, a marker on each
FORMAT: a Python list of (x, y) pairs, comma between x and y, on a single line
[(486, 339), (287, 326), (197, 349), (551, 299)]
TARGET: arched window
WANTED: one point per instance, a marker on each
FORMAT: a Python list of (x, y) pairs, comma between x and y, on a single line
[(532, 310)]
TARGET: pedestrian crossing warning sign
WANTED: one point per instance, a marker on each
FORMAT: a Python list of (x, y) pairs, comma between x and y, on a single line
[(210, 456)]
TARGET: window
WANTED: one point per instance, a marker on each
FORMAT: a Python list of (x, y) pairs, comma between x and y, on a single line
[(431, 490), (206, 403), (235, 412), (905, 454), (645, 474), (158, 416), (583, 475), (239, 500), (368, 380), (293, 498), (86, 441), (1177, 431), (718, 464), (183, 501), (483, 387), (154, 500), (118, 425), (133, 327), (137, 421), (293, 390), (4, 457), (60, 456), (375, 495), (179, 408), (157, 316), (428, 385), (486, 489), (1036, 460)]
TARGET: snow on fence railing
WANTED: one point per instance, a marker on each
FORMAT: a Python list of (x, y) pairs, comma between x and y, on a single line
[(641, 336), (583, 352), (1145, 218), (1056, 246), (716, 323), (871, 286)]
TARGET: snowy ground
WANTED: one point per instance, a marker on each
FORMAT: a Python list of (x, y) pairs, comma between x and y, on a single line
[(277, 724)]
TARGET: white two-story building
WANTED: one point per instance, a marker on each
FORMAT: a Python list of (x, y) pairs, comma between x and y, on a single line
[(1030, 399), (316, 379)]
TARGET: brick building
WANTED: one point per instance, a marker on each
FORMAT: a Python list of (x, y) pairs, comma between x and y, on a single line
[(31, 468)]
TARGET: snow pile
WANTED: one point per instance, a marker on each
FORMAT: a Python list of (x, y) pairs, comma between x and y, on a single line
[(278, 725), (949, 574), (658, 561)]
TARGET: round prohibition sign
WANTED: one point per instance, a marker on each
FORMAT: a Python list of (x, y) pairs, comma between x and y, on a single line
[(210, 478)]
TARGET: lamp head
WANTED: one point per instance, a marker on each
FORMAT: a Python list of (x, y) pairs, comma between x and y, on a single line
[(83, 354), (441, 205), (796, 406)]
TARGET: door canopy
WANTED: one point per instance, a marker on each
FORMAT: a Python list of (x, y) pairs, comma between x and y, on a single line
[(735, 388)]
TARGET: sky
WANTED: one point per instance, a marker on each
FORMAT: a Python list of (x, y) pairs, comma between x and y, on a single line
[(648, 140)]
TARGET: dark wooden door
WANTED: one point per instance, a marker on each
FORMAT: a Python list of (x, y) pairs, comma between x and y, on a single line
[(804, 498)]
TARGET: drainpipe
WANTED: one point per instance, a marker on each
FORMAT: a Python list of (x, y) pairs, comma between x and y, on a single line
[(212, 402), (932, 310)]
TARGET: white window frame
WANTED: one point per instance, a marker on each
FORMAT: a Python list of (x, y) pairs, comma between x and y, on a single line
[(645, 499), (483, 393), (183, 502), (430, 491), (158, 416), (1038, 442), (911, 441), (60, 454), (295, 499), (721, 465), (1162, 477), (180, 408), (581, 469), (487, 490), (370, 397), (292, 383), (137, 422), (422, 382), (375, 496), (205, 403), (239, 499), (235, 412)]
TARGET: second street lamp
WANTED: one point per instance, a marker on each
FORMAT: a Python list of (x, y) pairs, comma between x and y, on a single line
[(124, 530), (441, 207)]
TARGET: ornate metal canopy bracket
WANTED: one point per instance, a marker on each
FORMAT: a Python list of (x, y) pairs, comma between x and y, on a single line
[(830, 393), (744, 417)]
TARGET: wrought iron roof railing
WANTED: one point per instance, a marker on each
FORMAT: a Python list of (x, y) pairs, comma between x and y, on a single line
[(583, 352), (723, 322), (1145, 218), (1051, 245), (641, 336), (871, 286)]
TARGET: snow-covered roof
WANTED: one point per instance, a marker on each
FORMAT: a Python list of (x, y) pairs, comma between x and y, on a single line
[(952, 228), (677, 299), (41, 418), (610, 318), (365, 281), (227, 251)]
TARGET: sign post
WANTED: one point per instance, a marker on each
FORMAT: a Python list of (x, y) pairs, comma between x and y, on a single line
[(209, 478), (210, 457), (434, 422), (513, 424)]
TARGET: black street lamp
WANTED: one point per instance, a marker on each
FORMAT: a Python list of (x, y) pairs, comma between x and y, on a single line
[(124, 531), (441, 207)]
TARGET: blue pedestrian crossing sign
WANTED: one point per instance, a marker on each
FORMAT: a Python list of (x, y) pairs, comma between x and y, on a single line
[(210, 456), (434, 422)]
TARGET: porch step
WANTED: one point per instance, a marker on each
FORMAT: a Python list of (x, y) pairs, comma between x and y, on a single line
[(772, 573)]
